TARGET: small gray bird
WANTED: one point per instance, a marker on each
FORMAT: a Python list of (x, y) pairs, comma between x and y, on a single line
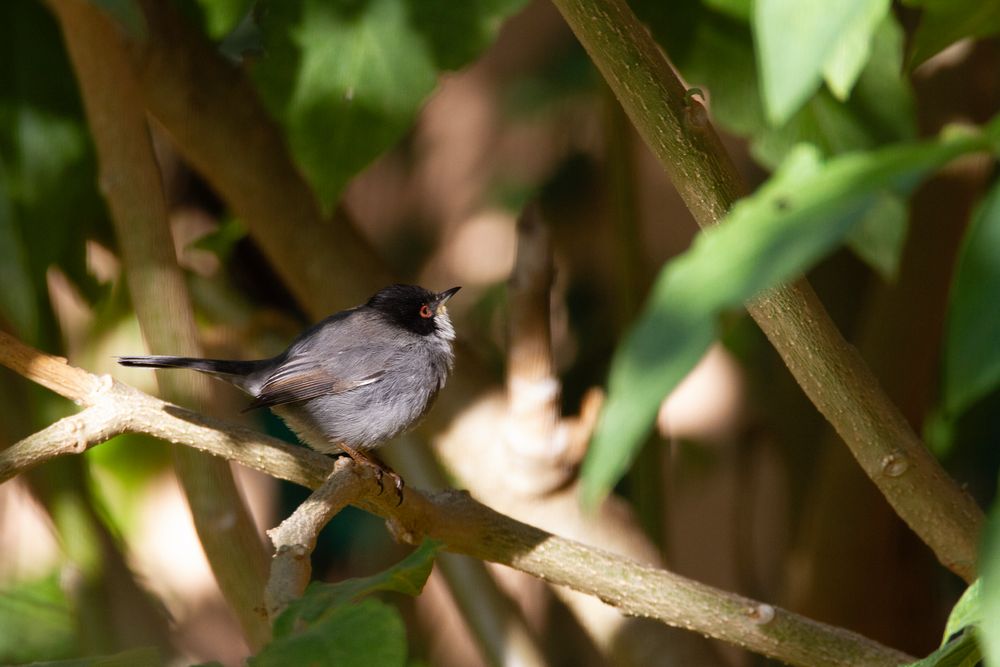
[(353, 381)]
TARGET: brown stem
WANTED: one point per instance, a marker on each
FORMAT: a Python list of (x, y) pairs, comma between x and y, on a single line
[(676, 127)]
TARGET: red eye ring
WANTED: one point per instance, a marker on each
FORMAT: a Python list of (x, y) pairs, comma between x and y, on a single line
[(426, 312)]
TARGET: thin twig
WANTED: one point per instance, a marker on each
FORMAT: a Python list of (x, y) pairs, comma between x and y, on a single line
[(454, 518)]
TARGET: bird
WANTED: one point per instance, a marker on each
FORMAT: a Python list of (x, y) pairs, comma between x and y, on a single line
[(353, 381)]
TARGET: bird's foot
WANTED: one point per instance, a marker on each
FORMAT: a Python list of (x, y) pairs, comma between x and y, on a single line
[(380, 469)]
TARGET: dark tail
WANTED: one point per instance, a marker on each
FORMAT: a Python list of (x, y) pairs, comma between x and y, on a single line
[(236, 370)]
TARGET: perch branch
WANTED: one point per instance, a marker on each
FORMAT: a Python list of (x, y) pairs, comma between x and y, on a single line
[(453, 517), (676, 127)]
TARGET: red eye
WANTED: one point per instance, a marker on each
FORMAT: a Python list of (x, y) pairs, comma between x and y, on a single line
[(425, 311)]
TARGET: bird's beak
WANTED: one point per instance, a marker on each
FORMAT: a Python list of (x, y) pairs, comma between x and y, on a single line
[(442, 298)]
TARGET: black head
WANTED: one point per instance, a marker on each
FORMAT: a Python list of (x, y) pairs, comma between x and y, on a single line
[(414, 308)]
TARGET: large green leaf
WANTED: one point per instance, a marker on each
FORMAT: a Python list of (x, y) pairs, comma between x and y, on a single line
[(332, 625), (972, 355), (367, 633), (347, 77), (944, 22), (800, 43), (805, 210), (716, 52)]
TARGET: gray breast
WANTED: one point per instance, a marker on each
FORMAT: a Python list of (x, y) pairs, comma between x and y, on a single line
[(367, 416)]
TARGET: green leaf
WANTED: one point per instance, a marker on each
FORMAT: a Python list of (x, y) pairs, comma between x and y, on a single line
[(879, 236), (967, 611), (36, 622), (963, 651), (716, 52), (18, 299), (989, 633), (46, 157), (347, 77), (800, 42), (804, 211), (331, 624), (971, 354), (944, 22), (370, 633), (220, 17), (737, 9), (842, 69)]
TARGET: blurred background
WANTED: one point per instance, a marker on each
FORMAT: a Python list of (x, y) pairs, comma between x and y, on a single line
[(743, 485)]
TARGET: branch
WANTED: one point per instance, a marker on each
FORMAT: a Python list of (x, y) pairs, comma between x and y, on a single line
[(829, 370), (131, 184), (453, 517), (295, 539)]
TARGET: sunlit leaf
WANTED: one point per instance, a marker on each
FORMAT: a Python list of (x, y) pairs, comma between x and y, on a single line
[(852, 50), (798, 41), (346, 78), (805, 210), (971, 355), (967, 611)]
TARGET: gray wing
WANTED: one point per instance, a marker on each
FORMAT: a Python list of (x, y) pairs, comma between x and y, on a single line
[(331, 358), (300, 382)]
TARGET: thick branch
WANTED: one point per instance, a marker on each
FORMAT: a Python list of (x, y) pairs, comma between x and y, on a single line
[(464, 525), (676, 128), (131, 183)]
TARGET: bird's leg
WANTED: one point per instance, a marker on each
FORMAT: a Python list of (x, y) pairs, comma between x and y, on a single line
[(381, 469)]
